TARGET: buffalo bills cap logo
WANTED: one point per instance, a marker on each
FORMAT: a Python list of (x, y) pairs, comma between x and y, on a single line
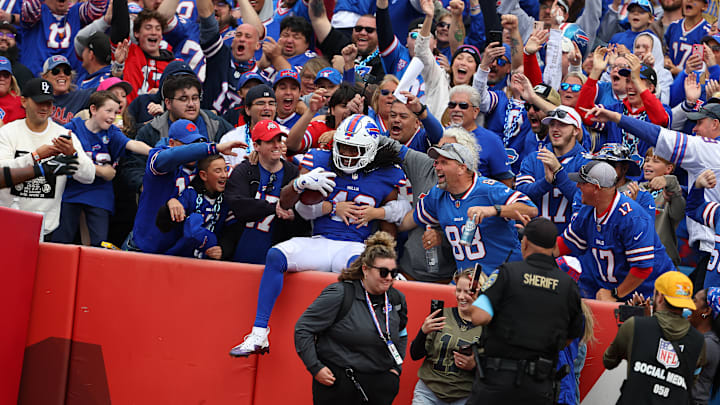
[(190, 127)]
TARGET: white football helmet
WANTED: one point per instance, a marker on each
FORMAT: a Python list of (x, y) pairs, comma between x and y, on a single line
[(358, 131)]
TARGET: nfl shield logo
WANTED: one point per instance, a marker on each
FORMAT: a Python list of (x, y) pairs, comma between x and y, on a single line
[(666, 354)]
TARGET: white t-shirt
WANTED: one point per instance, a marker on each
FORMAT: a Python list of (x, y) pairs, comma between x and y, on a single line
[(42, 195)]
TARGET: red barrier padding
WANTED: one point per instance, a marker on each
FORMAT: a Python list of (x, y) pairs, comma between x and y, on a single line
[(605, 330), (158, 328), (19, 240), (281, 373), (164, 326), (47, 357)]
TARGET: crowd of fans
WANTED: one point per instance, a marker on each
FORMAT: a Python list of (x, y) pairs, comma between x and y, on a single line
[(237, 129)]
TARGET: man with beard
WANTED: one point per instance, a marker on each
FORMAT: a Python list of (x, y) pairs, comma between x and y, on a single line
[(227, 64), (9, 49), (539, 100), (332, 41), (413, 126), (672, 11), (543, 174), (260, 104), (225, 19)]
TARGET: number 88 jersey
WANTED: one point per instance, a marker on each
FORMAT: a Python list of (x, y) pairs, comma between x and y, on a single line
[(495, 240), (611, 244)]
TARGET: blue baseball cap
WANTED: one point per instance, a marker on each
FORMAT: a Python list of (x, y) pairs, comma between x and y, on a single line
[(55, 61), (644, 4), (286, 74), (5, 65), (185, 131), (247, 76), (331, 74), (707, 38)]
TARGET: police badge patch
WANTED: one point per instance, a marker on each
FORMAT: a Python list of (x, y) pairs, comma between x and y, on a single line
[(490, 280), (666, 354)]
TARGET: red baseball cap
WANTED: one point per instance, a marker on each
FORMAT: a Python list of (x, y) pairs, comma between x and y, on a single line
[(266, 130)]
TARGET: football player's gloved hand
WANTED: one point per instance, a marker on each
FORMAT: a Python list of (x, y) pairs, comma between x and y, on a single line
[(317, 179), (60, 165)]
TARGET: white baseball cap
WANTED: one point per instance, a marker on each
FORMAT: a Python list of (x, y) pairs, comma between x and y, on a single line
[(564, 114)]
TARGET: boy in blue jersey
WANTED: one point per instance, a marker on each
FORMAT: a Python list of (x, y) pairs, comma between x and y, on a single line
[(168, 171), (623, 252), (681, 35), (202, 211), (49, 28), (461, 195), (544, 174), (287, 95), (105, 144), (640, 15), (708, 214), (340, 225)]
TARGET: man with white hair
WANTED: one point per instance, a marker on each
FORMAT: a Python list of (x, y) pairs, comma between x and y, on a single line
[(462, 197)]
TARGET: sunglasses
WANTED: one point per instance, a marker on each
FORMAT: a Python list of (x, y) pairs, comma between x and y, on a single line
[(463, 105), (385, 92), (558, 113), (443, 25), (715, 48), (56, 70), (360, 28), (8, 35), (271, 183), (572, 87), (502, 61), (413, 35), (531, 106), (384, 271)]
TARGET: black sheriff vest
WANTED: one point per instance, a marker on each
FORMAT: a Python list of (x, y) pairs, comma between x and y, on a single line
[(660, 371), (534, 319)]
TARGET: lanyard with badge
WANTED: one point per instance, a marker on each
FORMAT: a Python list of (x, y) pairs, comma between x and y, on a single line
[(385, 337)]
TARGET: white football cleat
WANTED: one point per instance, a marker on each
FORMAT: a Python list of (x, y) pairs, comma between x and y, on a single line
[(255, 343)]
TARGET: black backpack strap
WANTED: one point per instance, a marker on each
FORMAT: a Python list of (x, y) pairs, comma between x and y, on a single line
[(348, 295)]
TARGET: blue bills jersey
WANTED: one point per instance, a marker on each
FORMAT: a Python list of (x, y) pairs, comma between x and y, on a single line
[(165, 177), (257, 237), (508, 119), (613, 242), (371, 188), (708, 214), (202, 225), (680, 42), (553, 200), (495, 240), (51, 35), (184, 37), (103, 148)]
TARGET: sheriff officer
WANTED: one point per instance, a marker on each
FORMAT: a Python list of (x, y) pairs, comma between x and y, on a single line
[(660, 370), (532, 311)]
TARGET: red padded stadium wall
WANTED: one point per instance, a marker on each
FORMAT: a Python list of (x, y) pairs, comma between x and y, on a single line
[(19, 241), (151, 329)]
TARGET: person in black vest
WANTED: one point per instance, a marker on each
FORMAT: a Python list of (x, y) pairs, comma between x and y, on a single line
[(662, 369), (532, 311)]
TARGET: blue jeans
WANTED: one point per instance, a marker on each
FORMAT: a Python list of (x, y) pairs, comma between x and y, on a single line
[(97, 220), (423, 396)]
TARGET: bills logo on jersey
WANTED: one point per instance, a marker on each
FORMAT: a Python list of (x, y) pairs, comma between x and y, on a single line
[(2, 114), (105, 139), (362, 70), (512, 155), (666, 354)]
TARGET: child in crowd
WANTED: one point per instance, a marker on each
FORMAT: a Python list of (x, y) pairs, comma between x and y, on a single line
[(640, 15), (669, 200), (105, 144), (202, 211)]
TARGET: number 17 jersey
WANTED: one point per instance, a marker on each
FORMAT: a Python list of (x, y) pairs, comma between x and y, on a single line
[(613, 242)]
